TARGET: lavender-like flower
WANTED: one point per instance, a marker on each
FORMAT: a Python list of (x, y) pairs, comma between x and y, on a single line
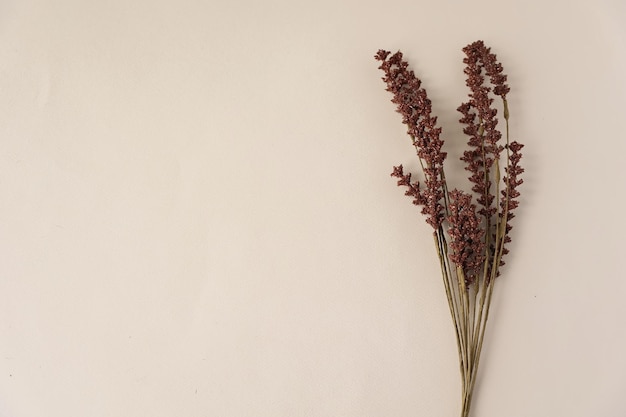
[(481, 122), (466, 233), (508, 202), (415, 107)]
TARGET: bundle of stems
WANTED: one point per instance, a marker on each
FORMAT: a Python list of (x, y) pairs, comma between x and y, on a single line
[(470, 238)]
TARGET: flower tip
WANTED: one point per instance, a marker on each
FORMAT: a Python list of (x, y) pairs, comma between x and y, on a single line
[(398, 171), (381, 55)]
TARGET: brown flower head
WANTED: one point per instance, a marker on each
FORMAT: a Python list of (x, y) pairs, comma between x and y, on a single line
[(508, 200), (415, 107), (481, 121), (467, 236)]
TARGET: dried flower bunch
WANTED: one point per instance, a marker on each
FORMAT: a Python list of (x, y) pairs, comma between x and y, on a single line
[(470, 237)]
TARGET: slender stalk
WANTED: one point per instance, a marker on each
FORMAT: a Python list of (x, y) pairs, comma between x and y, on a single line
[(451, 301), (465, 317)]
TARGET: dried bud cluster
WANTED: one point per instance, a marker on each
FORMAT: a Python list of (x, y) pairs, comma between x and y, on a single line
[(415, 107), (481, 121), (508, 201), (466, 233)]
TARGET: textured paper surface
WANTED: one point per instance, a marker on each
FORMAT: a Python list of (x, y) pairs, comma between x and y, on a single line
[(197, 218)]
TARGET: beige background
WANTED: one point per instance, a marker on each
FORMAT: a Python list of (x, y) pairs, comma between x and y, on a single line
[(197, 218)]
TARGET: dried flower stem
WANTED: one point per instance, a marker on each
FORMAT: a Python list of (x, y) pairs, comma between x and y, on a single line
[(470, 240)]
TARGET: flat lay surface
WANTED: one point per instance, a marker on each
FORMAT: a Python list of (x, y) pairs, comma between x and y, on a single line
[(197, 216)]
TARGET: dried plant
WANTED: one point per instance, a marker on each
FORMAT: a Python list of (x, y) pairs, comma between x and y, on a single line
[(470, 237)]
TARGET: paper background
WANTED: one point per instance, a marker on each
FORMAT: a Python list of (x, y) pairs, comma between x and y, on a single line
[(197, 218)]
